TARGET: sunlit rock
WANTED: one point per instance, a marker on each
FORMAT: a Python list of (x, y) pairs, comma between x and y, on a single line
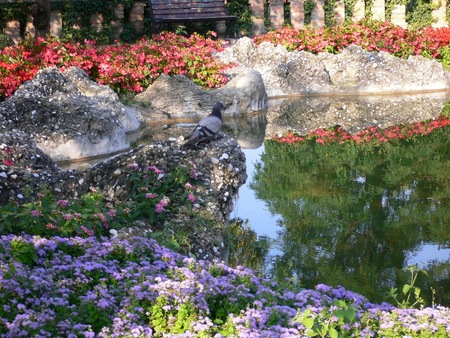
[(65, 120), (354, 71), (178, 97)]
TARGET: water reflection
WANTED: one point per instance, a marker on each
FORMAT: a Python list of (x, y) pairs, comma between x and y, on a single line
[(353, 113), (357, 218)]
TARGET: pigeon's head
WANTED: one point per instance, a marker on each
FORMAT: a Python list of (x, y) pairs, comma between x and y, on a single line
[(216, 109)]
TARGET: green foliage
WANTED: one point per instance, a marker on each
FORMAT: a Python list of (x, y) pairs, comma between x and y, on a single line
[(267, 22), (349, 8), (368, 14), (15, 11), (409, 289), (309, 7), (330, 17), (24, 252), (242, 10), (287, 14), (325, 325), (419, 13), (5, 41), (93, 214), (76, 18), (445, 58)]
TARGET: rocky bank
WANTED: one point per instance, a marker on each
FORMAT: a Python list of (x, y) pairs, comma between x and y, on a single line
[(220, 166), (353, 71)]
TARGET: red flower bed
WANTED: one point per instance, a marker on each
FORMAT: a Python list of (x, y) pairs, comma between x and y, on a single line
[(370, 135), (370, 35), (126, 68)]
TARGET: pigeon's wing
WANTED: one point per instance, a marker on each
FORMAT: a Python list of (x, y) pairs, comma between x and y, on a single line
[(207, 127), (211, 124)]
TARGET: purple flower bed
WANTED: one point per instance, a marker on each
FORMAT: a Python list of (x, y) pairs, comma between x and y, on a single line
[(75, 287)]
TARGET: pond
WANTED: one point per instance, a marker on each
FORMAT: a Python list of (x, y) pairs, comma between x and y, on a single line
[(334, 215), (356, 218)]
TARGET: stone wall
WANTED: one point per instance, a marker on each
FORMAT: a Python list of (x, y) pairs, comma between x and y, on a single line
[(276, 11)]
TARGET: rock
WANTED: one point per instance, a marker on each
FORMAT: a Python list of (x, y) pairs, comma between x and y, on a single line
[(354, 71), (110, 177), (178, 97), (64, 122), (21, 150)]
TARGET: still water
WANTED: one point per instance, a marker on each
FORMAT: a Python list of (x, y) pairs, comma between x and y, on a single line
[(354, 219), (340, 217)]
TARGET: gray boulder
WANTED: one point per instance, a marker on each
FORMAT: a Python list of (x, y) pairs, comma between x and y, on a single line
[(64, 122), (178, 97), (354, 71)]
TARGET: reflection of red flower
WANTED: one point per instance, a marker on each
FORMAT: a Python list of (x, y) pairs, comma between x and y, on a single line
[(9, 162)]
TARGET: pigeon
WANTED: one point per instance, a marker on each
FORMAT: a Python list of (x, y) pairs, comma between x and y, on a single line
[(206, 128)]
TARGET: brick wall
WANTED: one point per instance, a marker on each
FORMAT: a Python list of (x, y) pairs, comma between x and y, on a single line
[(276, 10), (136, 18)]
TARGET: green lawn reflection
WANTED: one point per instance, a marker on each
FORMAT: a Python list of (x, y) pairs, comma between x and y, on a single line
[(353, 215)]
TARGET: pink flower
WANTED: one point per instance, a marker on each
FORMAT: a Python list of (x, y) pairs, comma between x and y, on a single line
[(35, 213), (159, 208), (164, 201), (188, 185), (156, 170), (112, 213), (63, 203), (87, 231), (133, 166), (150, 195), (67, 216), (191, 198), (40, 195)]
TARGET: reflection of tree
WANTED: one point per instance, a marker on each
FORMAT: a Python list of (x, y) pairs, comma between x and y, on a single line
[(244, 246), (351, 215)]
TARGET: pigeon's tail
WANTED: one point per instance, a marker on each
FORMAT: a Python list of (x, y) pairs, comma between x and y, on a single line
[(192, 139)]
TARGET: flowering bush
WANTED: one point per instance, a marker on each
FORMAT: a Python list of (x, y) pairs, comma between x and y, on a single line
[(110, 288), (125, 68), (370, 35)]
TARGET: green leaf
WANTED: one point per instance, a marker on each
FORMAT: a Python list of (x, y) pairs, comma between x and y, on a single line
[(188, 205), (333, 333), (417, 291), (308, 323), (422, 270), (406, 288)]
